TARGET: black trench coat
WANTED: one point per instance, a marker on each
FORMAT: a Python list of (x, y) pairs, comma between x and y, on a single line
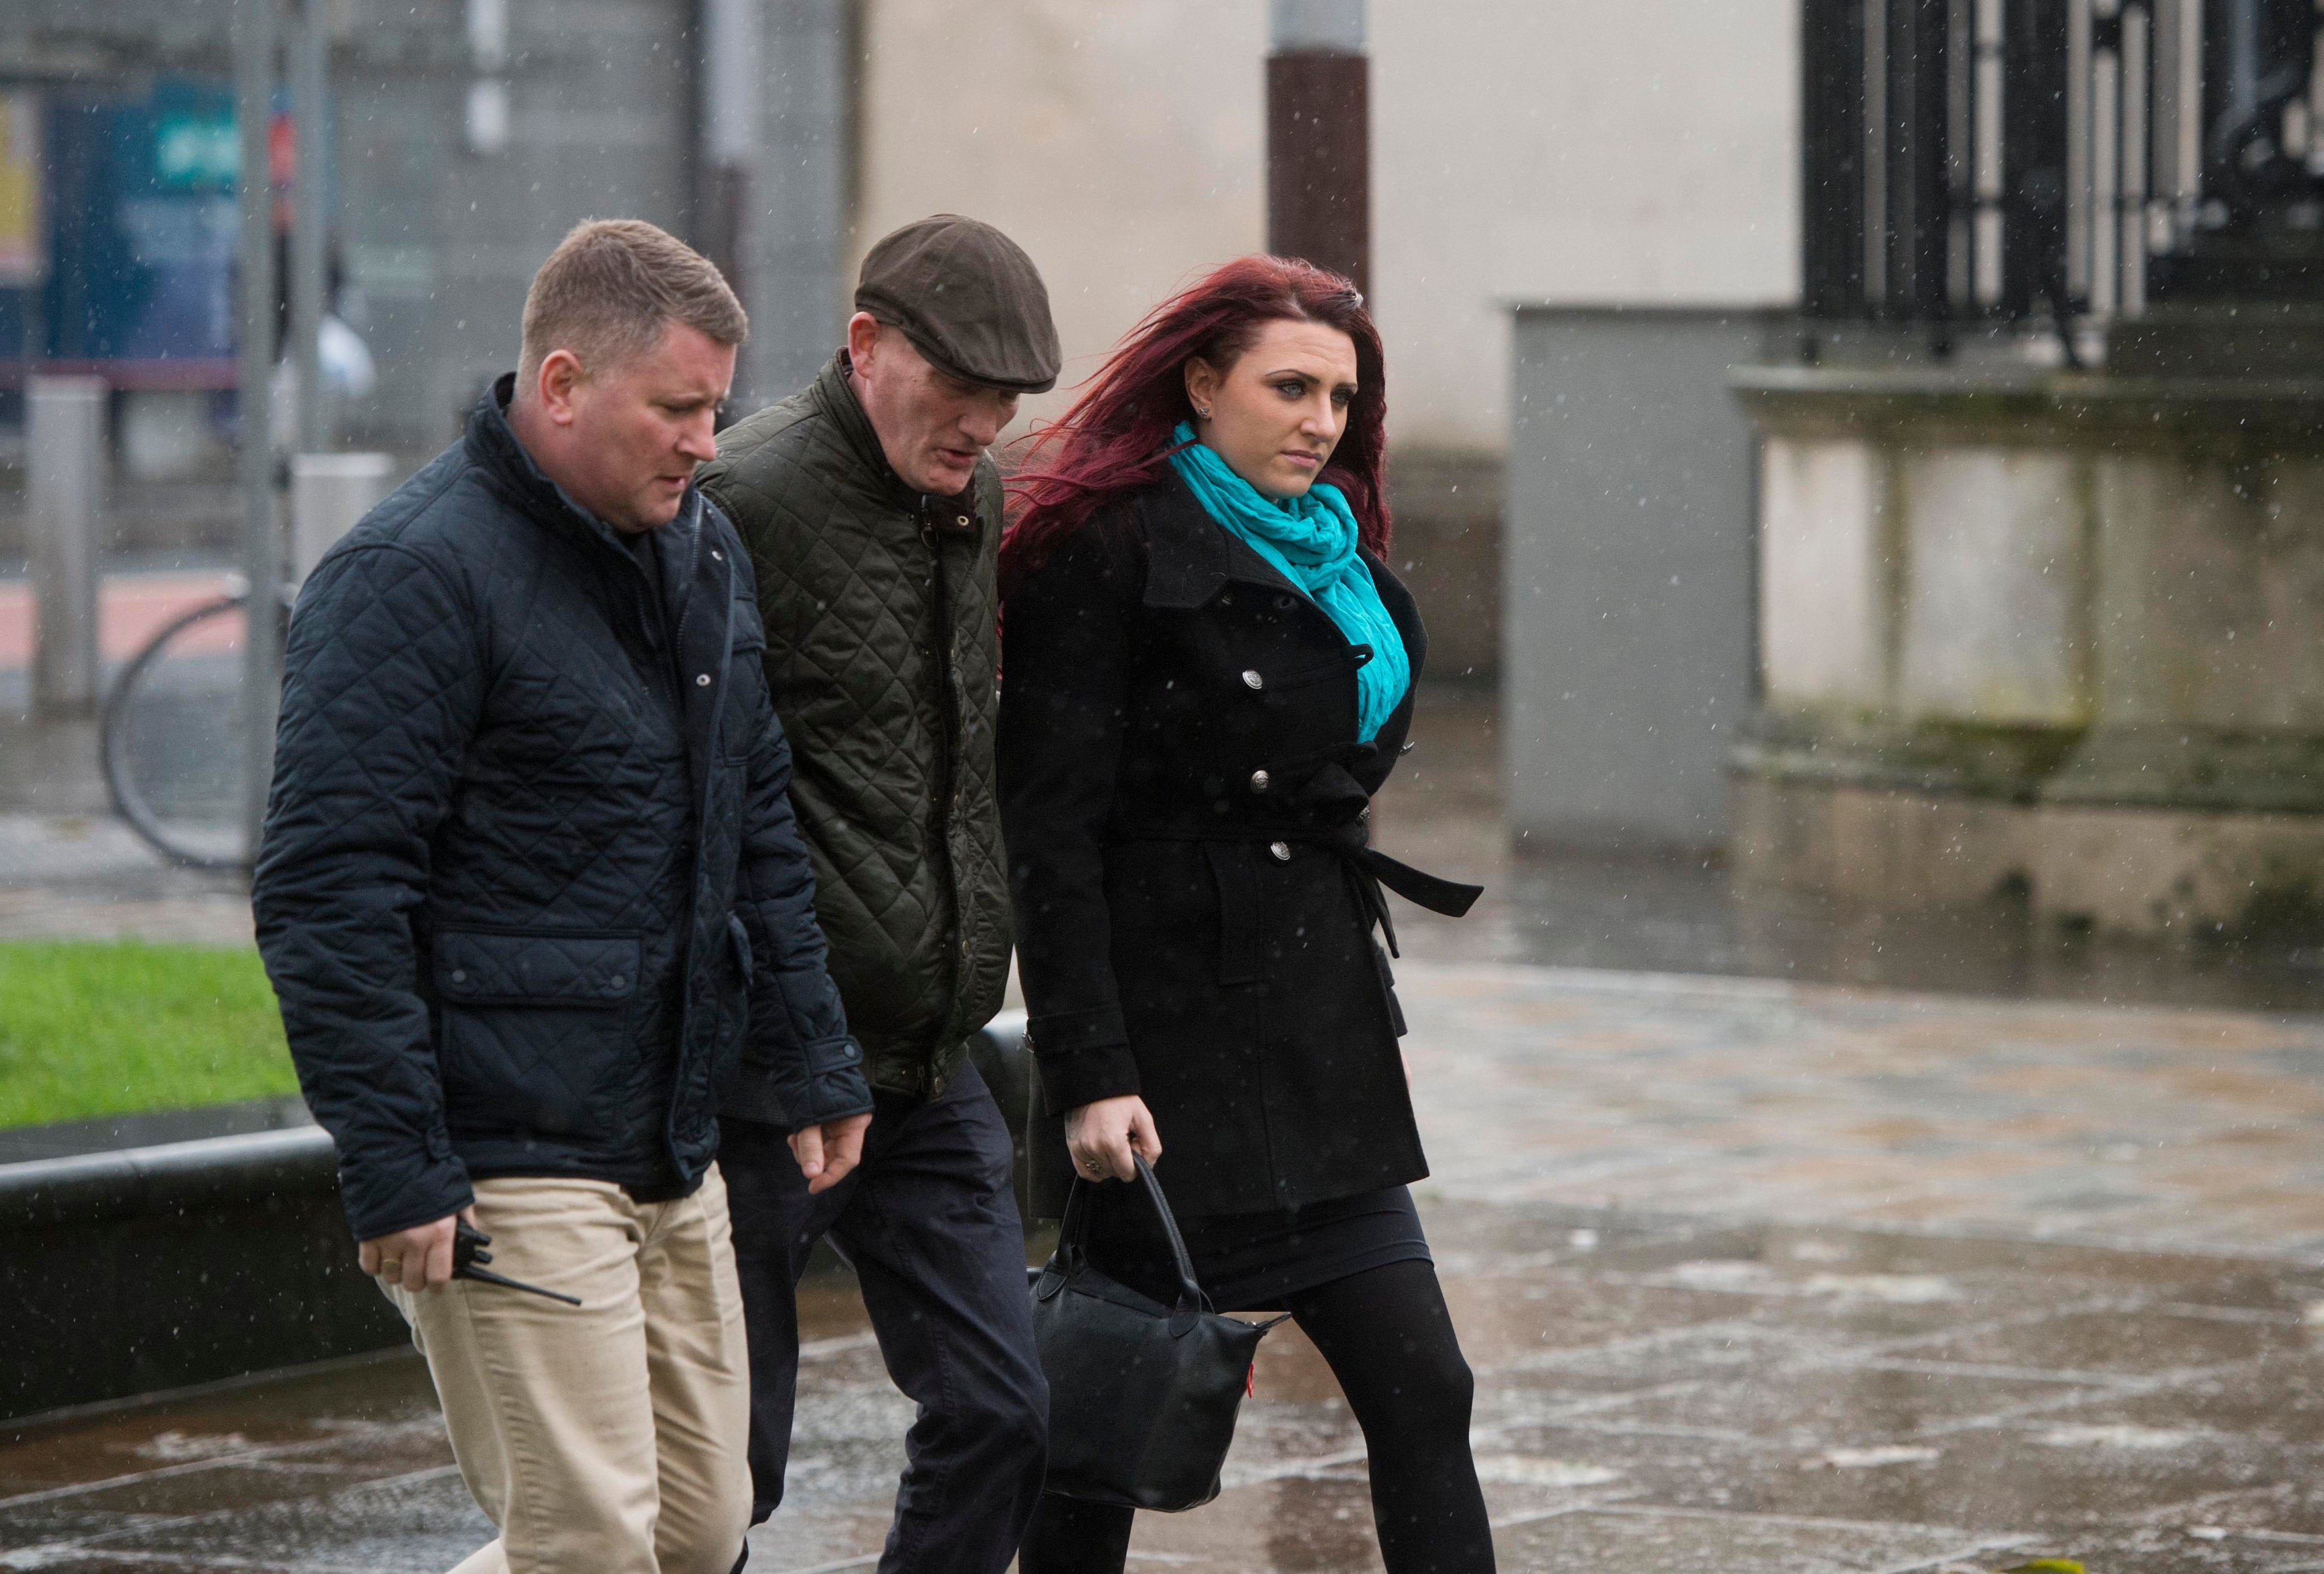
[(1185, 806)]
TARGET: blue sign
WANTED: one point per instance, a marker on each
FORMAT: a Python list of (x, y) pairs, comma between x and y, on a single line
[(142, 224)]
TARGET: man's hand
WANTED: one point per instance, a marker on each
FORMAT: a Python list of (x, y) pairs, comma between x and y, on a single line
[(826, 1153), (1102, 1133), (419, 1258)]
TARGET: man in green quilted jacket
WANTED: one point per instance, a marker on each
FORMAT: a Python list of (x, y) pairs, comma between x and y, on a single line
[(872, 514)]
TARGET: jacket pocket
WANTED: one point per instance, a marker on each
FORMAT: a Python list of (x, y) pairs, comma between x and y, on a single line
[(535, 1031)]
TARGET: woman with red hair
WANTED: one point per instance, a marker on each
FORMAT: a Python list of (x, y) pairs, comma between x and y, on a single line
[(1208, 670)]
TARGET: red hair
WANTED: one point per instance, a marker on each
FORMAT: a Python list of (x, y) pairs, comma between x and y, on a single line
[(1116, 437)]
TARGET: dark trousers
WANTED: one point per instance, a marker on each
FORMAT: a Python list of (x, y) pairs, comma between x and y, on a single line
[(930, 1226)]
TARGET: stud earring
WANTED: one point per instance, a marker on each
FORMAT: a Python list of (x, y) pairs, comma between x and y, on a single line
[(1201, 412)]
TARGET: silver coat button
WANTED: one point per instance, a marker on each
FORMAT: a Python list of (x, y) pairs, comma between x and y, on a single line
[(459, 974), (702, 681), (619, 981), (1282, 851), (716, 556), (1251, 680), (1258, 780)]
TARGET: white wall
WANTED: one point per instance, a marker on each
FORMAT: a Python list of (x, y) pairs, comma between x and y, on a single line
[(1119, 142), (1542, 149), (1569, 152)]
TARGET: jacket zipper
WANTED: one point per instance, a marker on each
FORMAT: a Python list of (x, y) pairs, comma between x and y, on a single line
[(652, 624), (654, 619)]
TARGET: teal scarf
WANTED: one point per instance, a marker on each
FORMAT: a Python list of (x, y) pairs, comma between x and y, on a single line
[(1311, 541)]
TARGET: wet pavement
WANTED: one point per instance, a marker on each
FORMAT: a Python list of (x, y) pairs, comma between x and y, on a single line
[(68, 868), (1753, 1100), (1654, 1394), (1887, 1259), (79, 873), (1755, 1276), (1558, 907)]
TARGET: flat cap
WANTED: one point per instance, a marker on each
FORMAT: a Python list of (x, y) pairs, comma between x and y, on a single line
[(968, 298)]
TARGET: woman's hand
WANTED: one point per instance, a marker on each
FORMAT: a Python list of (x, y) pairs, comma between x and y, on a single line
[(1102, 1133)]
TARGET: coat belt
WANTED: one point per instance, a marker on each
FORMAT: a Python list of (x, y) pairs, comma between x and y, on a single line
[(1239, 961)]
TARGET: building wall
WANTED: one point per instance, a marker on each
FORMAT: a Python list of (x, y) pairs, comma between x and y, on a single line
[(1550, 150), (1569, 152), (1629, 582), (441, 242), (1119, 142), (1547, 151)]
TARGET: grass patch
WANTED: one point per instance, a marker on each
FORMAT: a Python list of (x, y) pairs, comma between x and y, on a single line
[(95, 1028)]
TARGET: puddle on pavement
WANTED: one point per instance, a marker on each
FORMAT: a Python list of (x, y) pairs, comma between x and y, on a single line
[(1652, 1394), (1443, 810), (1659, 917)]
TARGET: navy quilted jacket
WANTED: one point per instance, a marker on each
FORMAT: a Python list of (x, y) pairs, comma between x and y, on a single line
[(531, 892)]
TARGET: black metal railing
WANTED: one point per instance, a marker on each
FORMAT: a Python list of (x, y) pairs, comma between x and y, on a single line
[(1971, 160)]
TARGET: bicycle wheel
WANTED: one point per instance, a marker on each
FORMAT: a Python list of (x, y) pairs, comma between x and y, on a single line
[(171, 736)]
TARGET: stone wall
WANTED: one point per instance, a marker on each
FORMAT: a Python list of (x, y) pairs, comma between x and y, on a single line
[(2056, 636)]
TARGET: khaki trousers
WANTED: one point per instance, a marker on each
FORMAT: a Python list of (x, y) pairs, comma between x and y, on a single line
[(609, 1438)]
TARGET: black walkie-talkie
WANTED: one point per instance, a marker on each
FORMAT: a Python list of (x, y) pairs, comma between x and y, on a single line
[(468, 1243)]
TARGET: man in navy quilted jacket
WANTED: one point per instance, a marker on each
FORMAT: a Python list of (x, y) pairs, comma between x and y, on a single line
[(533, 899)]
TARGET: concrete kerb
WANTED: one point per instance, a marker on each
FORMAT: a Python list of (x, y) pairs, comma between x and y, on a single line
[(151, 1269), (158, 1268), (180, 1178)]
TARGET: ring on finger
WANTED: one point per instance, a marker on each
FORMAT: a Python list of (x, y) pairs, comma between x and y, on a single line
[(391, 1269)]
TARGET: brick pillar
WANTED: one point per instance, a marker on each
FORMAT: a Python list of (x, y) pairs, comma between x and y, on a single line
[(1319, 136)]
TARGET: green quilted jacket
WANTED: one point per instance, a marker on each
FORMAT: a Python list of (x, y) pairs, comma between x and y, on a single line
[(883, 659)]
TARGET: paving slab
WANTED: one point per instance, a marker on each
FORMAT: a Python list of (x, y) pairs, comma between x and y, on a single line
[(2199, 1129), (1755, 1273), (1672, 1333), (80, 874), (1652, 1394), (1655, 1540)]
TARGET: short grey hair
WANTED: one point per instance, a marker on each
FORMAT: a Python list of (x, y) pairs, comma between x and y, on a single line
[(611, 288)]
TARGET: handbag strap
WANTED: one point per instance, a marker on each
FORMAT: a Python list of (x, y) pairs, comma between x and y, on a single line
[(1190, 1292), (1073, 1230), (1073, 1241)]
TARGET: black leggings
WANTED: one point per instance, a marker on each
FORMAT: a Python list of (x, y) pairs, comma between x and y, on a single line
[(1390, 1343)]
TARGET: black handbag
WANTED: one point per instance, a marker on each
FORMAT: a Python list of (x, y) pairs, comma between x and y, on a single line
[(1142, 1397)]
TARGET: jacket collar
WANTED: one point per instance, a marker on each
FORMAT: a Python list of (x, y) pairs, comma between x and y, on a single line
[(1190, 556), (492, 443)]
